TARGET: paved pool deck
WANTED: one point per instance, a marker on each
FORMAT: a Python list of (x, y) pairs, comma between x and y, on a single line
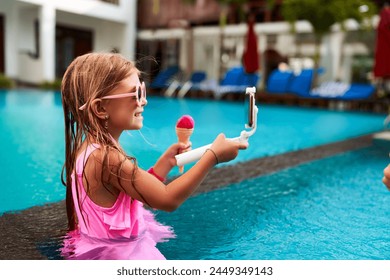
[(35, 233)]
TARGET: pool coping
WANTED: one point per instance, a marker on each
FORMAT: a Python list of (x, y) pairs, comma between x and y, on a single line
[(38, 226)]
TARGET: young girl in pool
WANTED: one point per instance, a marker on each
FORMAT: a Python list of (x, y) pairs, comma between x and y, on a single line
[(102, 96)]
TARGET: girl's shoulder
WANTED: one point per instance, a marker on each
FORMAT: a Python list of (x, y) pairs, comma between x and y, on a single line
[(109, 154), (107, 161), (88, 149)]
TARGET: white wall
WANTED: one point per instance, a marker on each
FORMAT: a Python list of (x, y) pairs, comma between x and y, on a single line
[(26, 39), (30, 71)]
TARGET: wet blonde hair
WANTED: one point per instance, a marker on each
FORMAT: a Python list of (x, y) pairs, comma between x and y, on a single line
[(89, 77)]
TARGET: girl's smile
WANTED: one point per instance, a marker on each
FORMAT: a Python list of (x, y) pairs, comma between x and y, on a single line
[(138, 115), (126, 113)]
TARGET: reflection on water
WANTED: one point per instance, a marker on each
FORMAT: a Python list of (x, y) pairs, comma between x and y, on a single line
[(82, 247)]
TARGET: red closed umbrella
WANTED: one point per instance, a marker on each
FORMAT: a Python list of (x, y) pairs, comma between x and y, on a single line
[(251, 55), (382, 51)]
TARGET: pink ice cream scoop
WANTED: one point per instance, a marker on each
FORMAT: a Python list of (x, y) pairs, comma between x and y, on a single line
[(184, 128), (185, 121)]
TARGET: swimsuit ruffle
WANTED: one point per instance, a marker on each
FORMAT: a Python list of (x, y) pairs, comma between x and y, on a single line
[(79, 246)]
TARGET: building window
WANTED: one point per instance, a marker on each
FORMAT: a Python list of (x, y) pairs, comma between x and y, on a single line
[(70, 43)]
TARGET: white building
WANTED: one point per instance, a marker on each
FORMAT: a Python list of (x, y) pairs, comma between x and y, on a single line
[(39, 38), (339, 49)]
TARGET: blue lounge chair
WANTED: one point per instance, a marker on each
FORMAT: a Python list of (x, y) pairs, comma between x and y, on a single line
[(359, 91), (301, 84), (164, 78), (288, 82), (184, 86), (279, 81), (236, 80), (193, 84), (343, 91)]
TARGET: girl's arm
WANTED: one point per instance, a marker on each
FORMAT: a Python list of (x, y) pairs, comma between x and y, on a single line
[(167, 161), (148, 189)]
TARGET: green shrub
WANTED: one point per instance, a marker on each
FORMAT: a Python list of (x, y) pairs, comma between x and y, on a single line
[(5, 82), (51, 85)]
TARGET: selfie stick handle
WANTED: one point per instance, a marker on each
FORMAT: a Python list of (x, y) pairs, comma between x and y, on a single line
[(196, 154)]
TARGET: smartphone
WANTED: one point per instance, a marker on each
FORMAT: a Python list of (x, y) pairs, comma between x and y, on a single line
[(249, 109)]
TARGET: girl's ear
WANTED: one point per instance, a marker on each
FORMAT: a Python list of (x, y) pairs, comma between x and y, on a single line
[(98, 109)]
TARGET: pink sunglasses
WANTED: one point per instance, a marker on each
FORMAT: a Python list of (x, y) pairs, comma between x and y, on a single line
[(140, 93)]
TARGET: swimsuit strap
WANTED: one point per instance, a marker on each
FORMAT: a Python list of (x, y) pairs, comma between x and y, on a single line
[(83, 157)]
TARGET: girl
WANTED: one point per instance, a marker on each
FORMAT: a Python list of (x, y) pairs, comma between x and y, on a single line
[(102, 96)]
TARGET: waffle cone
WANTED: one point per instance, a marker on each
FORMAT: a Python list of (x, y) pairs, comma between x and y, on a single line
[(183, 135)]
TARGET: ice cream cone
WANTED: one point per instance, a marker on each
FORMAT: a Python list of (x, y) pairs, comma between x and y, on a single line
[(183, 135)]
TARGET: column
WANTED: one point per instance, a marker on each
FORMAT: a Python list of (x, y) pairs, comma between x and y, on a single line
[(338, 54), (47, 25), (326, 59), (130, 30), (11, 41)]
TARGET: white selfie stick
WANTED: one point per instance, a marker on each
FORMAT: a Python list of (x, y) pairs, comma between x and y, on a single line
[(196, 154)]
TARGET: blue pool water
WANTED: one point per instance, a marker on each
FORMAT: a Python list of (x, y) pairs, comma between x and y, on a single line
[(333, 209), (33, 139)]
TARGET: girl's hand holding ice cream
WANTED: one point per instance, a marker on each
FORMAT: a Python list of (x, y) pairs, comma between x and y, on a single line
[(167, 160)]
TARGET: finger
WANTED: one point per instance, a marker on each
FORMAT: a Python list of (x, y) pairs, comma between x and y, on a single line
[(184, 147), (185, 150), (179, 145), (221, 136), (243, 145)]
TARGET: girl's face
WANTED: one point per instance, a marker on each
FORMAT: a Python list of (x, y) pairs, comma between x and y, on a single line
[(125, 113)]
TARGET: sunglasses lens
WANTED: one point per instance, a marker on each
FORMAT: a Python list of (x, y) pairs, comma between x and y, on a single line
[(139, 94), (142, 92)]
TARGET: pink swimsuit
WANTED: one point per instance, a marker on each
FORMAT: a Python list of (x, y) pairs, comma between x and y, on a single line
[(124, 231)]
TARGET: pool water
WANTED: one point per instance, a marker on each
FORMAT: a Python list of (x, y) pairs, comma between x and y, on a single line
[(33, 137), (333, 209)]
